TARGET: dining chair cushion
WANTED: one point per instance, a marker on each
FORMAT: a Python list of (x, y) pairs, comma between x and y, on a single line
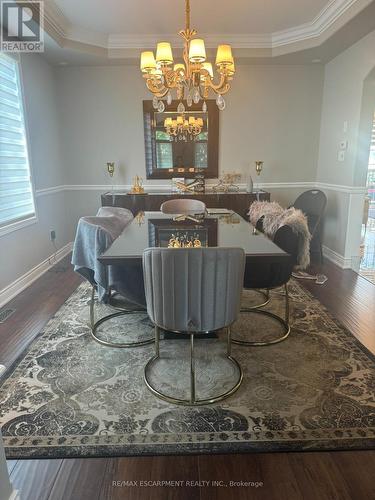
[(195, 289)]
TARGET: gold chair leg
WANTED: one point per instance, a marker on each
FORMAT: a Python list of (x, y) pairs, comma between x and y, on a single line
[(266, 295), (229, 342), (287, 311), (157, 341), (283, 322), (192, 370), (94, 325), (192, 401)]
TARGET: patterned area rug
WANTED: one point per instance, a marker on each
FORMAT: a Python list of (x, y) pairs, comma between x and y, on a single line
[(71, 397)]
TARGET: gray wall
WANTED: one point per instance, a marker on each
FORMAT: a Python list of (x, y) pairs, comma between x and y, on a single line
[(272, 114), (342, 102), (25, 248)]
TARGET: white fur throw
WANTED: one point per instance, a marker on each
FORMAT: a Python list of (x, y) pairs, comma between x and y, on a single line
[(276, 216)]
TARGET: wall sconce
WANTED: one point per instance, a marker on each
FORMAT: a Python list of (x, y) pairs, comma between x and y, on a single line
[(259, 166), (111, 168)]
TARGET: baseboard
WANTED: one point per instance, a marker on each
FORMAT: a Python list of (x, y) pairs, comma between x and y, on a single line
[(14, 495), (7, 293), (337, 258)]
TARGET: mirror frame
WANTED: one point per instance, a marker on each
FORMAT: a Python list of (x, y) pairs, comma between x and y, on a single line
[(212, 170)]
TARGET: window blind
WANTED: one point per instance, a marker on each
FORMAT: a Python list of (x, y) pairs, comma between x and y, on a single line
[(16, 195)]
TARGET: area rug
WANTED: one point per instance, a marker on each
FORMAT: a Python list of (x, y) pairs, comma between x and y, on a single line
[(71, 397)]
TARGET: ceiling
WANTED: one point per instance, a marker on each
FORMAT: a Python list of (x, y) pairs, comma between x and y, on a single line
[(207, 16), (293, 31)]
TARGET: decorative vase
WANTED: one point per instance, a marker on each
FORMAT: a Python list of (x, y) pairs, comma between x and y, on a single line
[(251, 184)]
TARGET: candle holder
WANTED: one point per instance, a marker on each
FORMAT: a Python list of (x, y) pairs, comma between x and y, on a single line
[(111, 171)]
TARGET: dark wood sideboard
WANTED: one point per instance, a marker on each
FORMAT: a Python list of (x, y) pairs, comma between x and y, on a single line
[(238, 202)]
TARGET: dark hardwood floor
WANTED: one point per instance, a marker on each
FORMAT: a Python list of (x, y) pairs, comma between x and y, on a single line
[(281, 476)]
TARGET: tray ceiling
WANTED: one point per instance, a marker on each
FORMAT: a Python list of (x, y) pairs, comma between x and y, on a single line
[(256, 29), (142, 17)]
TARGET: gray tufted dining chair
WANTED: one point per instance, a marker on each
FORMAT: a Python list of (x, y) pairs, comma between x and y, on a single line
[(194, 291)]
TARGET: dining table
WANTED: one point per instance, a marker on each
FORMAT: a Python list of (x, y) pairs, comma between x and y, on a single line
[(156, 229)]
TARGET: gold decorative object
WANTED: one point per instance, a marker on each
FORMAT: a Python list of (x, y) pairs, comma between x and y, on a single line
[(184, 242), (227, 183), (111, 168), (181, 129), (137, 187), (187, 187), (191, 79), (140, 218), (259, 166)]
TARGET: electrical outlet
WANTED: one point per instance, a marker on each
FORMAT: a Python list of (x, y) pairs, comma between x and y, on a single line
[(52, 235), (341, 156), (343, 145)]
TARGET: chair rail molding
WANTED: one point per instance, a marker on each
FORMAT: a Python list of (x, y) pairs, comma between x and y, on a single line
[(152, 187)]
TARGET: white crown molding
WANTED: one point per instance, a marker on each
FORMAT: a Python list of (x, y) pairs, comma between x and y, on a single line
[(54, 19), (239, 41), (63, 31), (322, 22), (7, 293)]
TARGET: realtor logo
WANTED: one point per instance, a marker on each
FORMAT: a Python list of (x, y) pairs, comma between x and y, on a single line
[(22, 26)]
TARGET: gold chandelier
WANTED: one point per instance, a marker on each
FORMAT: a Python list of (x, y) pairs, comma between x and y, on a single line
[(192, 79), (181, 129)]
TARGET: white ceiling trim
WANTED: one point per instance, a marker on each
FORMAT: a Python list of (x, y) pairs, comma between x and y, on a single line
[(211, 41), (57, 23), (322, 22)]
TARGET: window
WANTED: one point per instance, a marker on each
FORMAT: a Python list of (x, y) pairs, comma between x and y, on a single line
[(16, 194), (164, 154)]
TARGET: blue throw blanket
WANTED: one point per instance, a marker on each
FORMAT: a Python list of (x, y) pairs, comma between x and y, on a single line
[(94, 235)]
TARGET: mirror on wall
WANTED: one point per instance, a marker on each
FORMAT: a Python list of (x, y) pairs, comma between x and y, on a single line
[(179, 144)]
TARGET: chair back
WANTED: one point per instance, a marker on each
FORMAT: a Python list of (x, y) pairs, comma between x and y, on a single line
[(183, 206), (94, 235), (312, 203), (193, 289)]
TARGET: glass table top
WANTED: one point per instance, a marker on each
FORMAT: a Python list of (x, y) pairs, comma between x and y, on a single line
[(155, 229)]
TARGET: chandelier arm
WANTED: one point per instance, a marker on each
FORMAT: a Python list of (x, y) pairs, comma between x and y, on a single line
[(221, 88), (159, 90)]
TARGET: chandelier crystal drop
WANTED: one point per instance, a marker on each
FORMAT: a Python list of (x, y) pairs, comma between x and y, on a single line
[(194, 78)]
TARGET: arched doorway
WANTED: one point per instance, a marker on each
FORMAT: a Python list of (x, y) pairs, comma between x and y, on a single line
[(364, 175)]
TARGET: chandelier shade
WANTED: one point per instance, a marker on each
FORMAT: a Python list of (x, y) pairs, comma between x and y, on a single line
[(192, 80), (164, 53), (148, 63), (197, 51), (224, 56)]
